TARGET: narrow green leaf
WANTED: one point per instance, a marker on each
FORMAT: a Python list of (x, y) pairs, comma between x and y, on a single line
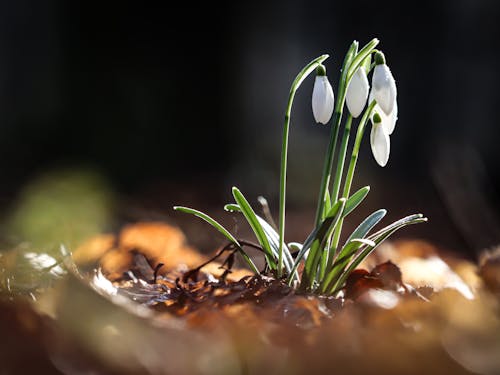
[(315, 233), (384, 234), (272, 236), (209, 220), (396, 224), (231, 207), (319, 243), (327, 205), (355, 199), (274, 241), (221, 229), (367, 224), (367, 62), (360, 56), (295, 246), (343, 260), (352, 246), (251, 217)]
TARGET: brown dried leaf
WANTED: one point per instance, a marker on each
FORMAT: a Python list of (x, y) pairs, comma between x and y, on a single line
[(489, 269)]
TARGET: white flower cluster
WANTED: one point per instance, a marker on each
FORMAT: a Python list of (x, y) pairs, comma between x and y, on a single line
[(383, 91)]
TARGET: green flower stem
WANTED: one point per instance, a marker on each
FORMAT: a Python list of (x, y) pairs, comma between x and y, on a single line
[(327, 257), (341, 160), (352, 166), (334, 133), (327, 166), (308, 69), (362, 54)]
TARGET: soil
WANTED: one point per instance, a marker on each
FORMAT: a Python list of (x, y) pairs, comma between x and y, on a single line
[(139, 302)]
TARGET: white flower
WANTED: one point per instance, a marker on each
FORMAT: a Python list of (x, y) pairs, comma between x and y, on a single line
[(357, 92), (322, 98), (383, 85), (388, 121), (380, 141)]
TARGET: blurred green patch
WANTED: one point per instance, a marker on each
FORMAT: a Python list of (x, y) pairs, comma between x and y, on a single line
[(60, 207)]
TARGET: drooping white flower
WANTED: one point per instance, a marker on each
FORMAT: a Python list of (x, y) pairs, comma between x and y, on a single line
[(388, 121), (357, 92), (383, 85), (380, 141), (322, 97)]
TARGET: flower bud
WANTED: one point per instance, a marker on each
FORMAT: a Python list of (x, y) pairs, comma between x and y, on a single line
[(383, 85), (322, 97), (357, 92), (379, 141), (388, 121)]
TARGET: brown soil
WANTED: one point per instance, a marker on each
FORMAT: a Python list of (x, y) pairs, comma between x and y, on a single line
[(409, 309)]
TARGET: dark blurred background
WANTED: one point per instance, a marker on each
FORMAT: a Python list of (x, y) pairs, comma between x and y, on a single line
[(175, 104)]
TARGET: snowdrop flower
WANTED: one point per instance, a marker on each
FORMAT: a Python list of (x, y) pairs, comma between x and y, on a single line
[(357, 92), (380, 141), (388, 121), (322, 97), (383, 85)]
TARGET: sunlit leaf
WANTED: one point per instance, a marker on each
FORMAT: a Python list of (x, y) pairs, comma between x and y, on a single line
[(251, 217), (355, 200), (221, 230)]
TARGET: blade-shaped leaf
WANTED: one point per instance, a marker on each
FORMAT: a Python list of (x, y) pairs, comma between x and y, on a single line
[(272, 236), (343, 260), (396, 224), (251, 217), (317, 233), (327, 205), (409, 220), (355, 199), (325, 230), (367, 224), (221, 229), (209, 220)]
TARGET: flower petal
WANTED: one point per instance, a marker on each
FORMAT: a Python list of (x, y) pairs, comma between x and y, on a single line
[(357, 92), (381, 145), (384, 88), (322, 100), (388, 121)]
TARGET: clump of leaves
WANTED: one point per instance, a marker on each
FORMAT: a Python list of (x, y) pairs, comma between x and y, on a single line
[(327, 262)]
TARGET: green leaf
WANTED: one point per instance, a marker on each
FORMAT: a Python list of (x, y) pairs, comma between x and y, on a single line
[(319, 243), (327, 205), (343, 260), (378, 238), (251, 217), (396, 224), (273, 238), (360, 57), (210, 221), (367, 63), (355, 199), (367, 224), (316, 232), (231, 207), (221, 229)]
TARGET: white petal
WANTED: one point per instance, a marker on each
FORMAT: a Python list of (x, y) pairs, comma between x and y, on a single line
[(388, 121), (381, 145), (322, 100), (357, 92), (384, 88)]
